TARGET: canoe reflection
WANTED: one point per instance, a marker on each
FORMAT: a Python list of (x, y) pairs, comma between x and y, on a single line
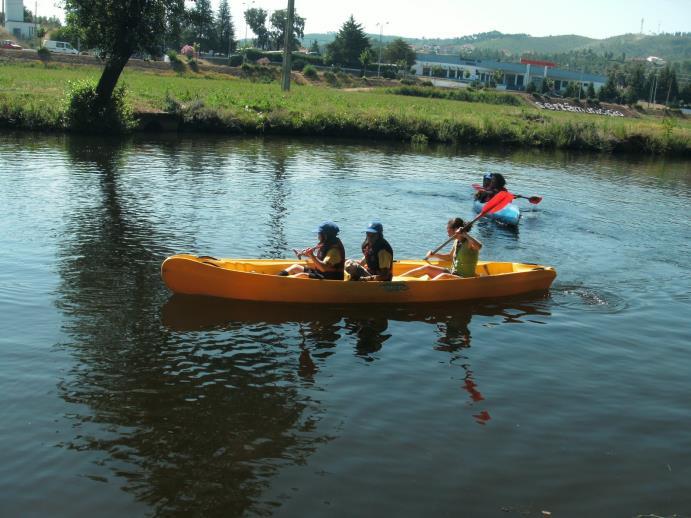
[(320, 327)]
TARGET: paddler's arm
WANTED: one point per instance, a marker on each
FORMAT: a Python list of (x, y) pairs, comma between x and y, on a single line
[(384, 276), (333, 257), (473, 243), (443, 257), (385, 260)]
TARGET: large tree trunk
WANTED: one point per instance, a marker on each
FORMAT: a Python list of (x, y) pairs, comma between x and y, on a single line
[(109, 77)]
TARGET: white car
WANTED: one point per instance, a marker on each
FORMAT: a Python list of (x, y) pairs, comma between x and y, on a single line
[(59, 47)]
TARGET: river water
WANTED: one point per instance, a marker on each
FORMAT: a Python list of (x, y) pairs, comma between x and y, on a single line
[(118, 399)]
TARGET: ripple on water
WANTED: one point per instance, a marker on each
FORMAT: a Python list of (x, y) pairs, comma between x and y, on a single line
[(585, 298)]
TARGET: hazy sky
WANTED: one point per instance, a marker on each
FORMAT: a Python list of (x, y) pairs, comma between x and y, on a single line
[(449, 18)]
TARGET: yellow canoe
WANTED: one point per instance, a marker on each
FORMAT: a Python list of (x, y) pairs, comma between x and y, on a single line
[(256, 280)]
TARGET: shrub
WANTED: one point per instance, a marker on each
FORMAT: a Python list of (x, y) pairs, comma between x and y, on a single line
[(193, 64), (310, 72), (531, 88), (461, 94), (84, 114), (253, 54), (408, 82), (176, 63), (330, 78), (43, 54), (171, 104), (298, 64), (235, 60), (427, 83)]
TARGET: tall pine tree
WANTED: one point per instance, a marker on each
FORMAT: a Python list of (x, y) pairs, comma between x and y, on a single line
[(225, 31), (202, 18), (349, 44)]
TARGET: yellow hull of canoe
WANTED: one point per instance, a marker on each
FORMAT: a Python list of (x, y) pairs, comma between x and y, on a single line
[(256, 280)]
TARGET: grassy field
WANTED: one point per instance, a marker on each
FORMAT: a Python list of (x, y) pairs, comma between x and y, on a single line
[(32, 95)]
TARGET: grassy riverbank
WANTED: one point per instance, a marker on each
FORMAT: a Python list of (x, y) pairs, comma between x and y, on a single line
[(32, 95)]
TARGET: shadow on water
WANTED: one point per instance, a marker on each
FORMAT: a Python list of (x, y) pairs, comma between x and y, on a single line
[(192, 425)]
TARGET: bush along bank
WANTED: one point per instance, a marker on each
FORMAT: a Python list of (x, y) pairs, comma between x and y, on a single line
[(459, 94), (506, 131), (510, 128)]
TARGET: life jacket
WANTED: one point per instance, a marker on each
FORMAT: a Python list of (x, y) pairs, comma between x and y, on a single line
[(323, 249), (464, 261), (371, 253)]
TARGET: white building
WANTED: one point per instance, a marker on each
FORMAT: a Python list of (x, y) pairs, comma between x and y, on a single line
[(512, 76), (14, 20)]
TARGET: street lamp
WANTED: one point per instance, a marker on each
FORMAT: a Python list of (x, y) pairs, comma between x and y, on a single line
[(381, 32)]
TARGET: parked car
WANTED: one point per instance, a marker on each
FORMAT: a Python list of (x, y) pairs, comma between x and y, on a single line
[(9, 44), (59, 47)]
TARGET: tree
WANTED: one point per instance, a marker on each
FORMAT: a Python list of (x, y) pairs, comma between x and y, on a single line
[(636, 80), (348, 45), (202, 18), (225, 32), (119, 28), (365, 59), (314, 48), (591, 91), (399, 50), (278, 23), (608, 92), (256, 19), (685, 94)]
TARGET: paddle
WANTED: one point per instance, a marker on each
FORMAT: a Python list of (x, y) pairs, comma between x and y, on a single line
[(498, 202), (532, 199)]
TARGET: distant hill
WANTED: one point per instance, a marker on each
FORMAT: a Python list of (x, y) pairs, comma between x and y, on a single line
[(511, 46), (668, 46)]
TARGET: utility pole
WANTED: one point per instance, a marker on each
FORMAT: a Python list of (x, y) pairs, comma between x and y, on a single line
[(288, 46), (381, 33)]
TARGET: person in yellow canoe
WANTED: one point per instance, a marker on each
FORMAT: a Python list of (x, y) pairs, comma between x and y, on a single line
[(463, 257), (377, 261), (327, 256)]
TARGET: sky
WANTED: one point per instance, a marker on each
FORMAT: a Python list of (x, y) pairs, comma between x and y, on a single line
[(451, 18)]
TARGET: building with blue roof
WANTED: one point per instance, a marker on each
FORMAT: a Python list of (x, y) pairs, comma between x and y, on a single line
[(514, 76)]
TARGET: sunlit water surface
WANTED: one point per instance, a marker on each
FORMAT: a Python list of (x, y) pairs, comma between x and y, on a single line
[(116, 399)]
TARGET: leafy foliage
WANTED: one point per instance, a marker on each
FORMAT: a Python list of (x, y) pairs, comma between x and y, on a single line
[(277, 33), (84, 112), (256, 19), (224, 30), (398, 50), (349, 44)]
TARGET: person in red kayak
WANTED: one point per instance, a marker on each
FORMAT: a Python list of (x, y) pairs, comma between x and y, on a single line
[(463, 257), (327, 256), (492, 184)]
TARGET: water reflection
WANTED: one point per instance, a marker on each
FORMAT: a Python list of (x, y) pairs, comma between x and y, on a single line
[(193, 424), (367, 327)]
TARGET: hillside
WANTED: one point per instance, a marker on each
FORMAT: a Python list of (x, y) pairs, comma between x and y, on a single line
[(668, 46)]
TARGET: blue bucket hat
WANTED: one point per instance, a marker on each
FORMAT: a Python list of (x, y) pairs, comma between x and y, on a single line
[(375, 228), (488, 176), (328, 227)]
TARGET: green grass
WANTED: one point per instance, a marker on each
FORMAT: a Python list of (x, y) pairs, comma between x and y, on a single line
[(31, 97)]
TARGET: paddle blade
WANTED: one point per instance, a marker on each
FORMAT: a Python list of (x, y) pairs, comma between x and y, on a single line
[(535, 199), (478, 187), (498, 202)]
